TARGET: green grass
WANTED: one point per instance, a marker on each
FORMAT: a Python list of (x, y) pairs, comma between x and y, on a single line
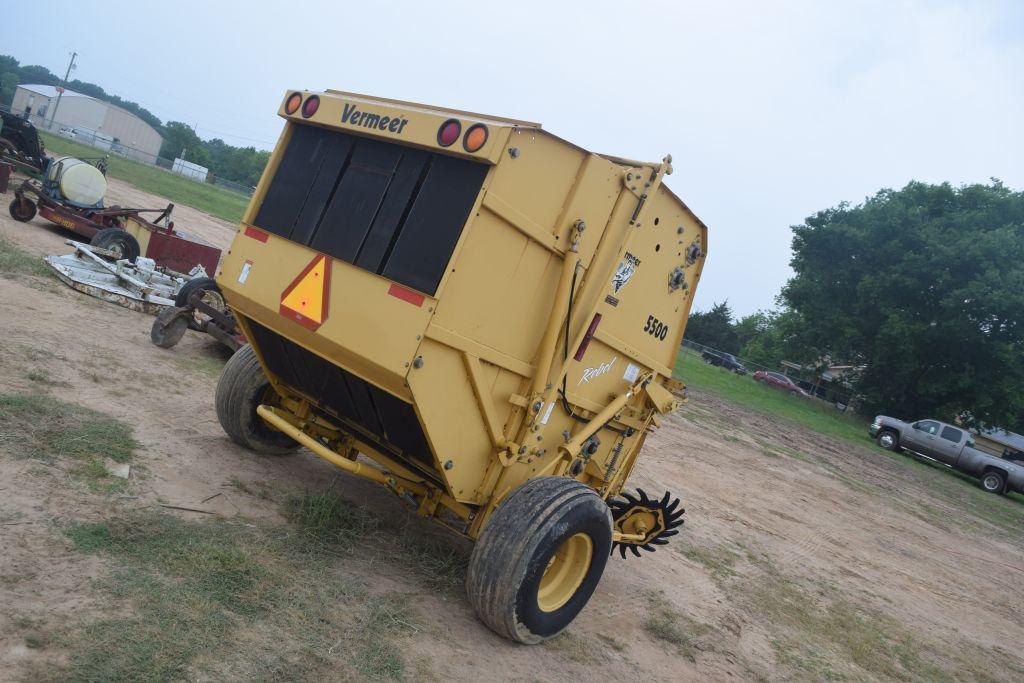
[(220, 600), (213, 200), (42, 427), (744, 391), (16, 263), (673, 628), (438, 561)]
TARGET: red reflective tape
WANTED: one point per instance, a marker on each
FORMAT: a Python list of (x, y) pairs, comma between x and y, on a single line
[(587, 337), (406, 295), (258, 235)]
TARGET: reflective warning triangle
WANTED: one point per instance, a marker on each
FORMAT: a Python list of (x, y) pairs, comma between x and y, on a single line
[(305, 300)]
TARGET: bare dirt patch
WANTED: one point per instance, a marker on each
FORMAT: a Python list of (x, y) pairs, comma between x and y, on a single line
[(802, 556)]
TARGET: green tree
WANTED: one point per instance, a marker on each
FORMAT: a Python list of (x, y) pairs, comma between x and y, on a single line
[(179, 140), (8, 84), (769, 337), (714, 328), (924, 286)]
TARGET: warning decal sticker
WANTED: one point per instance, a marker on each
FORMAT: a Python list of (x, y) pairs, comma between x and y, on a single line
[(305, 300)]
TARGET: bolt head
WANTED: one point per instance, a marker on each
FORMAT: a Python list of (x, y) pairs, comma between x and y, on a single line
[(418, 363), (448, 464)]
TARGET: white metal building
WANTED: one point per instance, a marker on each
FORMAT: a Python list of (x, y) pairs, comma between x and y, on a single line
[(87, 115)]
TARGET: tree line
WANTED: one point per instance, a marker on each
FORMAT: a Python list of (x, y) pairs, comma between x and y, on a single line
[(921, 289), (238, 164)]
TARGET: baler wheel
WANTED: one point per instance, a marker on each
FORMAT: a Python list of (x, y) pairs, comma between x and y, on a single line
[(539, 558), (241, 389), (22, 210), (169, 327)]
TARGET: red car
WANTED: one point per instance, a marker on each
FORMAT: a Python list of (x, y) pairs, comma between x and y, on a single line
[(779, 381)]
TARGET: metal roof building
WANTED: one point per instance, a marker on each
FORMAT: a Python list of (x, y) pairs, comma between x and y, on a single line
[(84, 113)]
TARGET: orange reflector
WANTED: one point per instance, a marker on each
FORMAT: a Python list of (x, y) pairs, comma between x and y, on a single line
[(291, 105), (475, 138), (306, 299)]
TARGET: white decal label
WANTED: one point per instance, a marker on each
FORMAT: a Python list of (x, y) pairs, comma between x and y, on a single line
[(632, 372), (591, 373), (627, 266), (244, 275), (547, 413)]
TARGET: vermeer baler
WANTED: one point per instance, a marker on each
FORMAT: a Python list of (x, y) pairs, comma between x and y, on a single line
[(488, 313)]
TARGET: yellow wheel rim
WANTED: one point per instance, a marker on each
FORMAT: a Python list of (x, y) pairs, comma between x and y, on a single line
[(565, 572)]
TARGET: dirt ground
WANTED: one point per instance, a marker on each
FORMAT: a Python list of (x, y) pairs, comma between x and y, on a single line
[(802, 557)]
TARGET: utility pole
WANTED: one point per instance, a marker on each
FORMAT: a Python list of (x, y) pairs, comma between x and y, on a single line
[(63, 85)]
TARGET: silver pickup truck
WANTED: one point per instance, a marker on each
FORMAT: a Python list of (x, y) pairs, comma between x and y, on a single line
[(950, 446)]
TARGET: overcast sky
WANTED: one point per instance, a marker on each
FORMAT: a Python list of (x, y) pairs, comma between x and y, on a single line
[(771, 110)]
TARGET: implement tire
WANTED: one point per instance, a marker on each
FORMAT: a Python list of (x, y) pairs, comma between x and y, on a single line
[(241, 389), (22, 210), (168, 328), (539, 558), (119, 242), (212, 296)]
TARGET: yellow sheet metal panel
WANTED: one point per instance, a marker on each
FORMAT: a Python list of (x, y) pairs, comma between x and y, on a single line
[(650, 314), (448, 407), (405, 124), (491, 297), (367, 329)]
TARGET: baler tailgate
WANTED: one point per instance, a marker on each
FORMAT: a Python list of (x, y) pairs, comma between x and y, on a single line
[(393, 210)]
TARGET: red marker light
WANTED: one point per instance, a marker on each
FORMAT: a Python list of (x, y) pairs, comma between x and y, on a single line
[(448, 133), (475, 138), (291, 105), (310, 106)]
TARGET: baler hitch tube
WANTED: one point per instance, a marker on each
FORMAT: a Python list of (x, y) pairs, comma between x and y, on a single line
[(380, 476)]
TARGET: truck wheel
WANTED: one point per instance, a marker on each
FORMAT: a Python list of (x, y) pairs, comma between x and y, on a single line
[(539, 558), (241, 389), (118, 241), (993, 481), (888, 440), (22, 210), (169, 327), (212, 296)]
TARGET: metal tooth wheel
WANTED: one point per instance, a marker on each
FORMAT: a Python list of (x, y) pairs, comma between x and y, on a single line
[(671, 514)]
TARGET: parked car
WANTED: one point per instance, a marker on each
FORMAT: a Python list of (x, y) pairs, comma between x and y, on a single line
[(777, 380), (950, 446), (724, 360)]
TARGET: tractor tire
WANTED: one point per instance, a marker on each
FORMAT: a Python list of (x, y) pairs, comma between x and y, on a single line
[(241, 389), (169, 327), (117, 241), (539, 558), (22, 210), (993, 481), (212, 295), (889, 440)]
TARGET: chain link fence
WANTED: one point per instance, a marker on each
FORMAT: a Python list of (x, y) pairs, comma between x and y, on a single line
[(110, 146), (831, 391)]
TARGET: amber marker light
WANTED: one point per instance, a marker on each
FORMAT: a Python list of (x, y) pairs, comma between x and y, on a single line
[(291, 105), (475, 138)]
